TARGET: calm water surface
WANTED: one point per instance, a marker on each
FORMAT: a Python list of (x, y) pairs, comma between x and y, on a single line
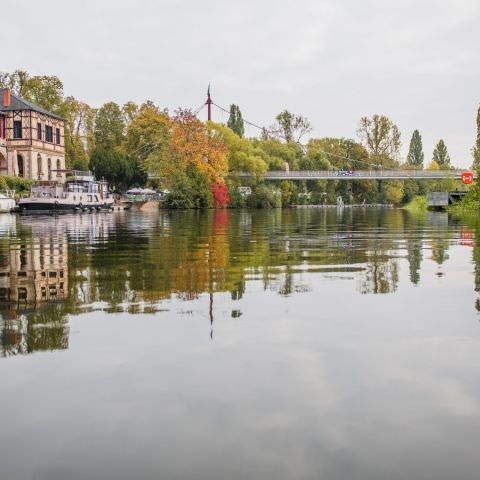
[(300, 344)]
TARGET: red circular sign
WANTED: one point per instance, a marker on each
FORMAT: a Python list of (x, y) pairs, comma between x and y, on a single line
[(467, 178)]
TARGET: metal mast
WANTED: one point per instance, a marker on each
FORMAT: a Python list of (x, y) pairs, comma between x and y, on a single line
[(209, 104)]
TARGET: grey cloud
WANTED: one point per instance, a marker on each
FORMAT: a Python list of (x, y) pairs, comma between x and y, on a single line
[(333, 61)]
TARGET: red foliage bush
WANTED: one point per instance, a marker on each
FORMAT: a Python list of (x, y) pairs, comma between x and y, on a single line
[(220, 195)]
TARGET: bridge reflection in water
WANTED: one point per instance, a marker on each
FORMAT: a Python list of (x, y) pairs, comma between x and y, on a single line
[(143, 263)]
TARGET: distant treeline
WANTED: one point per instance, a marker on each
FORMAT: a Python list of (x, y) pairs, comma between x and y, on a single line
[(136, 145)]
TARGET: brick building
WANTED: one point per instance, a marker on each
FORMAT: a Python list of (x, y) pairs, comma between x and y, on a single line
[(32, 143)]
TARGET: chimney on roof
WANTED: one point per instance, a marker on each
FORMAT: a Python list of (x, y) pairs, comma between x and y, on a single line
[(6, 97)]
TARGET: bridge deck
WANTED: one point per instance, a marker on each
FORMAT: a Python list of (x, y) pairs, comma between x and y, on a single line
[(362, 175), (356, 175)]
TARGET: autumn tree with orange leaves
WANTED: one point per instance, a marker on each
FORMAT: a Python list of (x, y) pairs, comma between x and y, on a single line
[(190, 144)]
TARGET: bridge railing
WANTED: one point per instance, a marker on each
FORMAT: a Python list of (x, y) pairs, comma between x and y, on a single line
[(360, 174)]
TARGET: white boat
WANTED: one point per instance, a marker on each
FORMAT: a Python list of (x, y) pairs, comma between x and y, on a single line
[(7, 201), (80, 193)]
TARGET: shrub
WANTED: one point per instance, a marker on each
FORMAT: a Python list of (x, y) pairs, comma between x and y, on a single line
[(265, 197), (236, 199), (220, 195), (289, 193), (179, 197), (189, 189), (19, 184)]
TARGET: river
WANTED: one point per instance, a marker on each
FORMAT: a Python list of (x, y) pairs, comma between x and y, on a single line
[(295, 344)]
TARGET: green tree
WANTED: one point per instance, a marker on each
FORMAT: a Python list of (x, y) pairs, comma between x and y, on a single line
[(15, 81), (109, 126), (290, 127), (316, 157), (441, 156), (189, 188), (79, 138), (130, 110), (147, 136), (243, 155), (415, 155), (381, 137), (277, 153), (476, 148), (117, 168), (235, 120), (46, 91)]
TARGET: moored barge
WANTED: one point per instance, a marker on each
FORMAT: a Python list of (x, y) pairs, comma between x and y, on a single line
[(80, 193)]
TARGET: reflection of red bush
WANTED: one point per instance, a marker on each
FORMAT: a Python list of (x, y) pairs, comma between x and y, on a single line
[(220, 221), (220, 195)]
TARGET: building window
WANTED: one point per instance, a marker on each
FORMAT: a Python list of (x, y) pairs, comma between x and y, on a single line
[(20, 166), (39, 166), (59, 168), (39, 131), (17, 129), (49, 168), (49, 133), (57, 136), (2, 126)]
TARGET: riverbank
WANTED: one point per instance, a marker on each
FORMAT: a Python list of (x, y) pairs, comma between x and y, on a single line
[(353, 205), (417, 204)]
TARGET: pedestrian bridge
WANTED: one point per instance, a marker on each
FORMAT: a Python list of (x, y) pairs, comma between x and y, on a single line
[(362, 174)]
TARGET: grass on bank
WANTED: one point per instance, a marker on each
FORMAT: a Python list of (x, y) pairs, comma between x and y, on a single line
[(417, 204)]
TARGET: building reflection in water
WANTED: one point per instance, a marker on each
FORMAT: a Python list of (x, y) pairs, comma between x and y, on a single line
[(33, 280), (134, 262), (34, 283)]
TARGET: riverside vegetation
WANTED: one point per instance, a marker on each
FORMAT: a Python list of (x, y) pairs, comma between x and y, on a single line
[(199, 163)]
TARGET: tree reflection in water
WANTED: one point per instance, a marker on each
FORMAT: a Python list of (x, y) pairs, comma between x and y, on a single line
[(132, 262)]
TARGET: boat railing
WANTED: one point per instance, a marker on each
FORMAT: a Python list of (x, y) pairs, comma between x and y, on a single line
[(85, 175)]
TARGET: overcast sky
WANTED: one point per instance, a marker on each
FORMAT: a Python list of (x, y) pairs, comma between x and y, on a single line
[(333, 61)]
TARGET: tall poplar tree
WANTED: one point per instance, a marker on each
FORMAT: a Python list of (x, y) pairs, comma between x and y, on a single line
[(441, 156), (415, 152), (476, 148), (235, 120)]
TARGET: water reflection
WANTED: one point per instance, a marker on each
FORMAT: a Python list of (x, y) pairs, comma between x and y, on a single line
[(309, 344), (34, 280), (135, 262)]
